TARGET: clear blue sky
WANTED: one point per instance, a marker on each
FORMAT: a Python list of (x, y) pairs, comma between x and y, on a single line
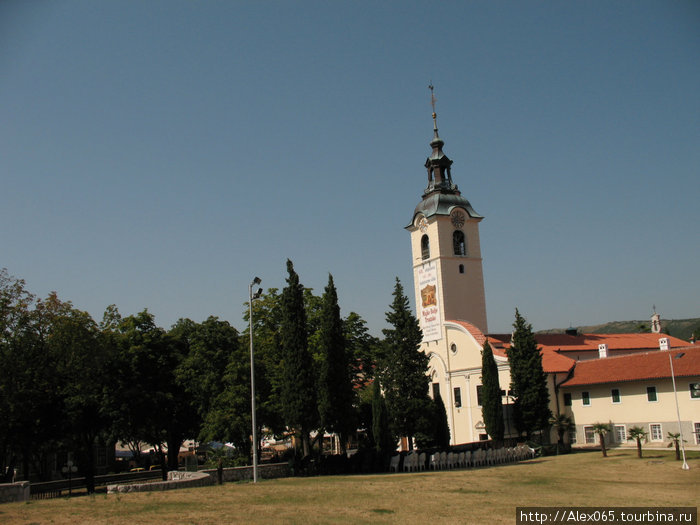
[(161, 154)]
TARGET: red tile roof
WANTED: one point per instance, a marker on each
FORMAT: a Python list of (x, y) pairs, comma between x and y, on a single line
[(476, 333), (555, 347), (590, 342), (552, 362), (637, 367)]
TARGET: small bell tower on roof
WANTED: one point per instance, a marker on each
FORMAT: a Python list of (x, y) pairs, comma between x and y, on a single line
[(655, 322)]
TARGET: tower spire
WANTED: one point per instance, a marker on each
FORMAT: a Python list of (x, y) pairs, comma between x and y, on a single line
[(432, 103), (438, 164)]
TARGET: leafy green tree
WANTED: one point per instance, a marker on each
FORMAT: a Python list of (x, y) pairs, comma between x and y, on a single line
[(432, 428), (81, 360), (335, 391), (491, 405), (215, 372), (528, 381), (298, 389), (148, 403), (269, 378), (601, 429), (15, 303), (637, 433), (313, 310), (228, 418), (403, 368), (210, 347), (28, 385), (361, 349), (53, 360)]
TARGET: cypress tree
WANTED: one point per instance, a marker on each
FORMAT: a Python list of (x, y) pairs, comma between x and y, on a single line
[(491, 407), (528, 381), (335, 391), (442, 427), (298, 383), (404, 367)]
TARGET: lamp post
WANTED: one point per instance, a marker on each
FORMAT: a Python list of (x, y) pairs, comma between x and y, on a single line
[(678, 413), (252, 376), (69, 469)]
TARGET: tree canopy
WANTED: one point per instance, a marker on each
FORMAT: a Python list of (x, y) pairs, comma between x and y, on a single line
[(70, 385)]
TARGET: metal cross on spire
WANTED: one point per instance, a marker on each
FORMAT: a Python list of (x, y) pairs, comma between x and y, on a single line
[(432, 103)]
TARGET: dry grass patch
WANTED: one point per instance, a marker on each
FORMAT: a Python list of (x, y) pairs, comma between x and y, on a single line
[(487, 495)]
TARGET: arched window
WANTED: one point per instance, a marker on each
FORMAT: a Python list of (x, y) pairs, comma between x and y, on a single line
[(425, 247), (459, 243)]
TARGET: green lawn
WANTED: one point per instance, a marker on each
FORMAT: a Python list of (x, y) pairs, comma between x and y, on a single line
[(486, 495)]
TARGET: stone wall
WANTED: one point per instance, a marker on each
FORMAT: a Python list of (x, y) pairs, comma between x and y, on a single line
[(176, 480), (14, 491), (265, 471), (181, 479)]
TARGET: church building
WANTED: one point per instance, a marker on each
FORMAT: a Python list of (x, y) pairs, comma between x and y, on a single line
[(450, 296), (451, 308)]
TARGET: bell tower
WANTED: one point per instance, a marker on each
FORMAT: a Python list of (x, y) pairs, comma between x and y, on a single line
[(446, 254)]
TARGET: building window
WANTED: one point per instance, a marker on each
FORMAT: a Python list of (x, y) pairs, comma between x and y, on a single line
[(655, 432), (572, 436), (436, 390), (651, 394), (589, 434), (694, 390), (615, 394), (458, 243), (425, 247), (620, 433), (461, 268), (567, 399), (697, 433), (586, 398), (478, 394), (458, 397)]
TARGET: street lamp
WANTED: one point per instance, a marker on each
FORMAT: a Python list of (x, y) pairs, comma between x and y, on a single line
[(252, 376), (678, 413)]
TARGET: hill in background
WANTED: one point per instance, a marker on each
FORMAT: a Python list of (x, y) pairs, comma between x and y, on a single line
[(680, 328)]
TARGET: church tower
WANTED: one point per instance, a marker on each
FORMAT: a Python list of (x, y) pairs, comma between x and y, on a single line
[(446, 255)]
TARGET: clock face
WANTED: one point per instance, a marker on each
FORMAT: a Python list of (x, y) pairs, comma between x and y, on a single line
[(458, 219), (423, 224)]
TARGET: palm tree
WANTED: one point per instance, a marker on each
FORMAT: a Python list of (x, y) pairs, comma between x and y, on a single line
[(562, 423), (676, 440), (601, 429), (637, 433)]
